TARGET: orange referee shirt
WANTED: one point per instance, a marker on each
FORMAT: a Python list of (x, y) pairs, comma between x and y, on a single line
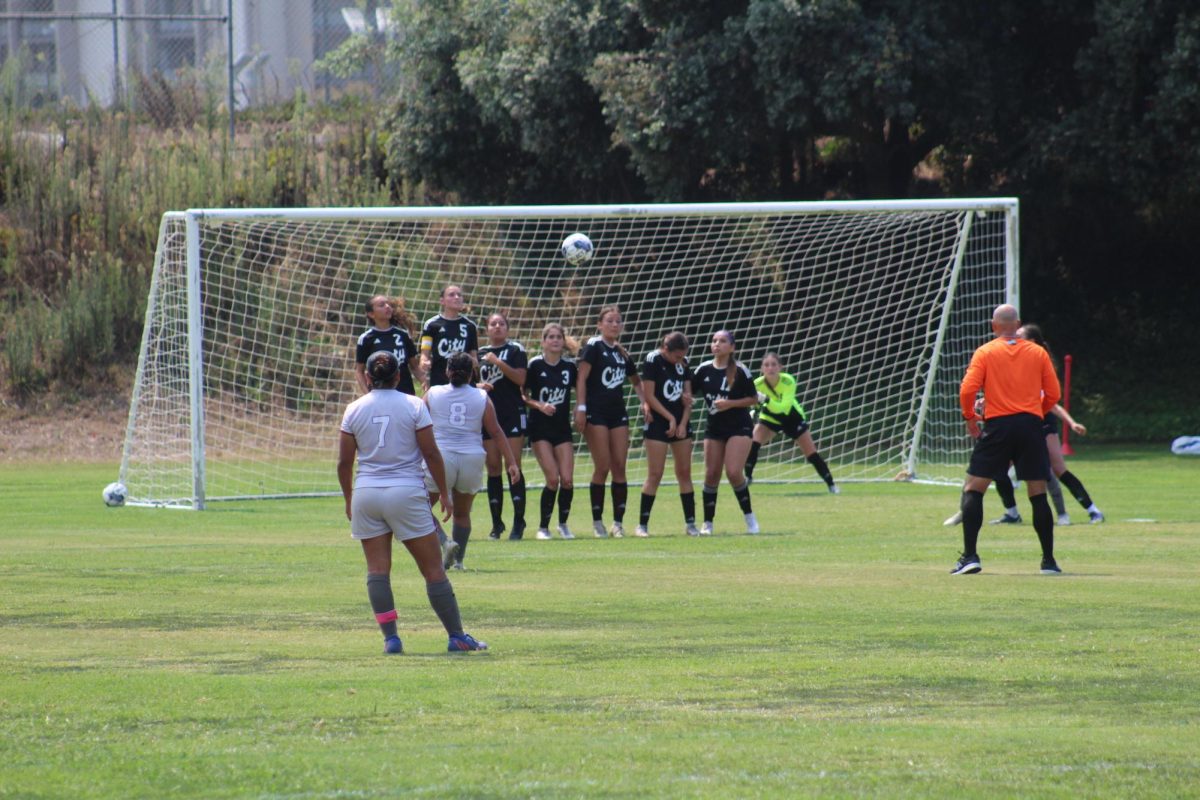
[(1016, 377)]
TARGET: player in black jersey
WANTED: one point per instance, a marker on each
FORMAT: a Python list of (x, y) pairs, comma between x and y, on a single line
[(502, 370), (602, 417), (548, 384), (391, 330), (728, 391), (446, 333), (667, 387)]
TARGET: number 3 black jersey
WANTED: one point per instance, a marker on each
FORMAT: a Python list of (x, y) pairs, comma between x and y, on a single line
[(669, 380), (710, 382), (550, 383), (397, 342), (445, 337), (506, 395), (606, 381)]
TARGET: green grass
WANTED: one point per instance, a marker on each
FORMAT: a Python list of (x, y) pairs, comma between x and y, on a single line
[(231, 653)]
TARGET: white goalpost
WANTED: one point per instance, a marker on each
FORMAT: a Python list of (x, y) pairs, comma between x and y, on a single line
[(247, 356)]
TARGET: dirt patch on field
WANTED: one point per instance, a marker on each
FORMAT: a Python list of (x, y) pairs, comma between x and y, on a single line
[(49, 431)]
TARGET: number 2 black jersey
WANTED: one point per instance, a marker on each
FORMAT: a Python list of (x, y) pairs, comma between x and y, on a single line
[(606, 381), (397, 342), (710, 383), (551, 383), (506, 395), (445, 337), (669, 381)]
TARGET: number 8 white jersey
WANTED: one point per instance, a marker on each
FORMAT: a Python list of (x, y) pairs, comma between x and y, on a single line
[(384, 424), (457, 413)]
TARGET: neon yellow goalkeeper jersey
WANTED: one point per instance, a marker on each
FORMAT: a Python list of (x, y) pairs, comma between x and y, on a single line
[(781, 399)]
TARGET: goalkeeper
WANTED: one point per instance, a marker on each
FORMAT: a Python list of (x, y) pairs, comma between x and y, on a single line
[(779, 410)]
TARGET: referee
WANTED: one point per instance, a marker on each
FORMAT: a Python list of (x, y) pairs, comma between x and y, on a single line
[(1020, 387)]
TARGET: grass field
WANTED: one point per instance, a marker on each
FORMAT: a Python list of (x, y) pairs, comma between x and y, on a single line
[(232, 653)]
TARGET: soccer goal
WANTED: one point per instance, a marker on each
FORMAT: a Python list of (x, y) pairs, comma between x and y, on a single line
[(247, 357)]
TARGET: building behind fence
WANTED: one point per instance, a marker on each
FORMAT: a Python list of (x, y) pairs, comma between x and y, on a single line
[(113, 52)]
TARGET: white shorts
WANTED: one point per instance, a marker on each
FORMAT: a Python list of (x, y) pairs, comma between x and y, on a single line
[(403, 510), (464, 473)]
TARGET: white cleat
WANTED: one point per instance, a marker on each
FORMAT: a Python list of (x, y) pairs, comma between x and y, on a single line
[(544, 534), (598, 529), (706, 529), (751, 523), (449, 553), (564, 531), (691, 530), (834, 489), (641, 532), (1064, 519), (617, 531), (953, 519)]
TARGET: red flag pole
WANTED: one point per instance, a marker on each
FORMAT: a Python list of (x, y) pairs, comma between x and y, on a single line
[(1066, 403)]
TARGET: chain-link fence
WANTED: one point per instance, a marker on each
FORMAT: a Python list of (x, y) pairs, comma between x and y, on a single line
[(172, 59)]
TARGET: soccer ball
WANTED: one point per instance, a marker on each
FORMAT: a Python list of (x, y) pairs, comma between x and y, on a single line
[(577, 249), (114, 494)]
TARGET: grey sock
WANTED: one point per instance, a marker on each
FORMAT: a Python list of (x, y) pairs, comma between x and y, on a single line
[(379, 592), (445, 605), (461, 535)]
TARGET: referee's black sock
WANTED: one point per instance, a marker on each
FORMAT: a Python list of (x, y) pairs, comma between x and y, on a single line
[(742, 493), (495, 493), (547, 507), (752, 459), (1004, 488), (688, 500), (596, 490), (972, 521), (822, 468), (620, 496), (644, 511), (1075, 486), (566, 494), (709, 498), (1043, 523)]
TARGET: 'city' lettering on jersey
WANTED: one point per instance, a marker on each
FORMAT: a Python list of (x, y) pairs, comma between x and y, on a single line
[(489, 373), (555, 396), (612, 377), (673, 390)]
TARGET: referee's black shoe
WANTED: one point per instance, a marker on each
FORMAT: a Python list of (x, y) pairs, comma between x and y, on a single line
[(967, 565)]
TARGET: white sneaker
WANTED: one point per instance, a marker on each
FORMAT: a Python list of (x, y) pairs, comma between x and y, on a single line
[(835, 489), (457, 565), (598, 529), (564, 531), (544, 534), (1064, 519), (641, 532), (953, 519), (617, 531), (691, 530), (706, 529), (751, 523), (449, 551)]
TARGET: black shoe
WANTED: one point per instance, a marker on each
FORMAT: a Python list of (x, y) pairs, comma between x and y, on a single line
[(497, 529), (967, 565), (1050, 567), (518, 533)]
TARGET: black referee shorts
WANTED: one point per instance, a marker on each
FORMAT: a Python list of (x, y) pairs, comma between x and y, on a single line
[(1017, 439)]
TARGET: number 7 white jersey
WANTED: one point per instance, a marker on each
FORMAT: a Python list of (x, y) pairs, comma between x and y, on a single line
[(384, 424), (457, 413)]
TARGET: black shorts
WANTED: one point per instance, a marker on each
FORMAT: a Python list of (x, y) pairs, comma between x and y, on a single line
[(791, 423), (1017, 438), (721, 430), (1051, 426), (609, 417), (656, 430), (512, 422), (547, 431)]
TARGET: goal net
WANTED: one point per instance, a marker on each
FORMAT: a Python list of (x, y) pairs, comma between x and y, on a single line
[(875, 307)]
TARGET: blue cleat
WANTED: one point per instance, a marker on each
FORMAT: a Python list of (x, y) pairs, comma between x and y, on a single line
[(392, 646), (465, 643)]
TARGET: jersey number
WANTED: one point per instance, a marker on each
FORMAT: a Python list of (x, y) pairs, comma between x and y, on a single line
[(458, 414), (382, 422)]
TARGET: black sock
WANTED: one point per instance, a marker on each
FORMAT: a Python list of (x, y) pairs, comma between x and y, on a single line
[(495, 493), (445, 605), (822, 468), (462, 536), (597, 492), (547, 507), (709, 497), (565, 495), (742, 493), (752, 459), (517, 490), (644, 512), (1043, 523), (1004, 488), (972, 521), (620, 496), (688, 500), (379, 592), (1074, 485)]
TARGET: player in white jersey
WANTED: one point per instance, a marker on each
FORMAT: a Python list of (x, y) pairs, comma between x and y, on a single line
[(460, 412), (390, 434)]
